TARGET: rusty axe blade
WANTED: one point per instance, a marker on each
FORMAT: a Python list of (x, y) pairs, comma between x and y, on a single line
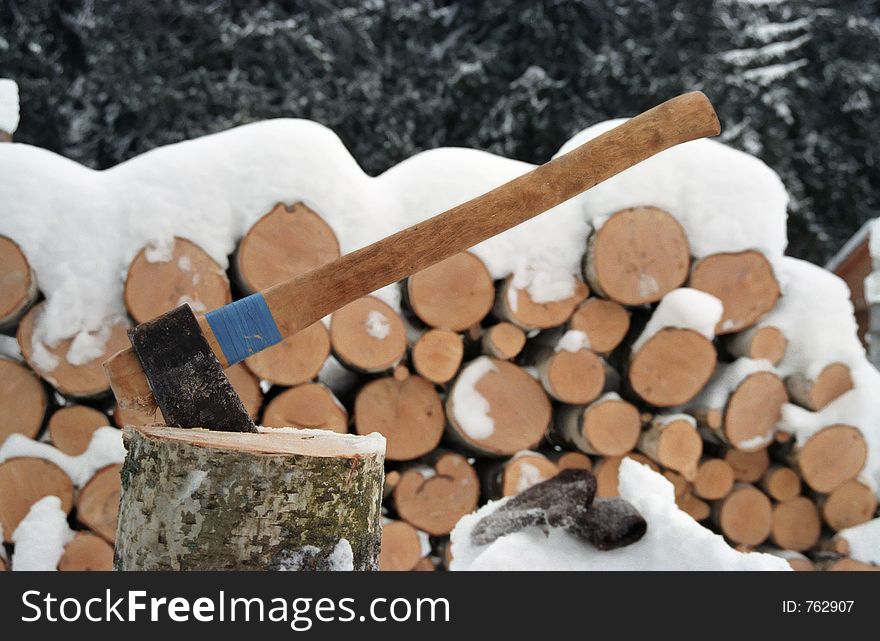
[(189, 383)]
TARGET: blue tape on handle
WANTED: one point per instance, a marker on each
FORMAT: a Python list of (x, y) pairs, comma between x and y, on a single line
[(244, 327)]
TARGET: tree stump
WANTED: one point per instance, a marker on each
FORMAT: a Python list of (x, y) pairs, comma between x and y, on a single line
[(208, 500)]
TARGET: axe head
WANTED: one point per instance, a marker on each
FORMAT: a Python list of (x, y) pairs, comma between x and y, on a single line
[(187, 380)]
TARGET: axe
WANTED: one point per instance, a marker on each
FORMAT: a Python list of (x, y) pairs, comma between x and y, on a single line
[(177, 360)]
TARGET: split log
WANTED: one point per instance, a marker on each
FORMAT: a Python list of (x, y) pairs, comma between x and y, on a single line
[(23, 400), (796, 524), (71, 428), (79, 380), (637, 256), (295, 360), (97, 505), (830, 457), (745, 516), (177, 511), (401, 547), (18, 284), (23, 482), (286, 242), (503, 341), (186, 275), (247, 386), (519, 473), (311, 406), (781, 483), (517, 306), (609, 427), (673, 442), (87, 552), (850, 503), (759, 343), (572, 374), (368, 336), (604, 322), (607, 471), (748, 467), (433, 497), (454, 294), (437, 355), (671, 367), (494, 408), (814, 394), (713, 479), (406, 410), (743, 282), (571, 460)]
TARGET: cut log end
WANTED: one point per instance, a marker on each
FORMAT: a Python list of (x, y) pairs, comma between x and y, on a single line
[(286, 242), (796, 524), (71, 428), (714, 479), (814, 394), (437, 355), (604, 322), (87, 553), (525, 470), (503, 341), (753, 410), (574, 377), (637, 256), (186, 275), (608, 427), (672, 367), (849, 504), (295, 360), (23, 400), (517, 306), (572, 461), (607, 471), (454, 294), (748, 467), (97, 504), (743, 282), (367, 335), (675, 444), (401, 548), (18, 284), (760, 343), (311, 406), (23, 482), (781, 483), (745, 516), (832, 456)]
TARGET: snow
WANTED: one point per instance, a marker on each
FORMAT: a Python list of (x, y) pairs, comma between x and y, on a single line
[(665, 419), (469, 407), (9, 348), (726, 379), (104, 449), (573, 341), (529, 476), (377, 325), (683, 308), (864, 541), (341, 558), (41, 536), (9, 114), (673, 541)]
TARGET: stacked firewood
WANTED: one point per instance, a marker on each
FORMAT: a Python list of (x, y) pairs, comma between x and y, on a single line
[(483, 391)]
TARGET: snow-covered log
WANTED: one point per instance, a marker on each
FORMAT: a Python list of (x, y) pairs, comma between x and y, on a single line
[(518, 473), (23, 482), (814, 393), (531, 309)]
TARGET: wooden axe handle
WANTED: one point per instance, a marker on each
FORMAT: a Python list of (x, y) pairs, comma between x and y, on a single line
[(246, 326)]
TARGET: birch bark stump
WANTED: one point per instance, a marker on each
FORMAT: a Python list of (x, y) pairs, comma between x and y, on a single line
[(207, 500)]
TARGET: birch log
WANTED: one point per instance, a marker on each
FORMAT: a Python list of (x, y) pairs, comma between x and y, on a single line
[(209, 500)]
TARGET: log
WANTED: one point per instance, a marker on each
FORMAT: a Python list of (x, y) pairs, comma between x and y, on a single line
[(186, 274), (87, 552), (517, 306), (759, 343), (713, 479), (392, 478), (18, 284), (697, 508), (571, 460), (23, 400), (743, 282), (571, 373), (23, 482), (850, 503), (801, 565), (745, 516), (295, 360), (425, 564), (609, 427), (673, 442), (637, 256), (311, 406), (454, 294), (247, 386), (401, 547), (671, 367), (607, 471), (71, 427), (437, 355), (848, 565), (368, 336), (748, 467), (494, 408), (286, 242), (520, 472), (781, 483), (177, 511), (503, 341), (78, 380), (97, 504), (434, 496), (604, 322), (796, 525), (406, 410), (830, 457), (832, 382)]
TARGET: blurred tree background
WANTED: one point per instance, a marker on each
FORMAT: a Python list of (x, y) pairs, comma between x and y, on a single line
[(796, 83)]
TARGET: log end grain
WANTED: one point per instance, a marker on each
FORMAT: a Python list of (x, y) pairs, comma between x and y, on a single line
[(604, 322), (71, 427), (23, 400), (453, 294), (295, 360), (23, 482), (310, 406), (367, 335), (672, 367)]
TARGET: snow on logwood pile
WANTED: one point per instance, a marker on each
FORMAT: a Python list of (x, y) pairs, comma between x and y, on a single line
[(41, 536), (683, 308), (673, 541), (8, 105), (864, 541)]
